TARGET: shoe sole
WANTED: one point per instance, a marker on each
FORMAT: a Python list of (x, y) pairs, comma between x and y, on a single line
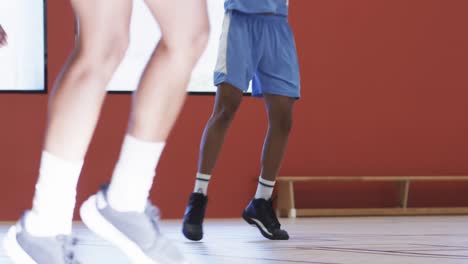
[(93, 219), (13, 250), (191, 236), (256, 223)]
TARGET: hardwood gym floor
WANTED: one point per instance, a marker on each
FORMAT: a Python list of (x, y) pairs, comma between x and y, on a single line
[(381, 240)]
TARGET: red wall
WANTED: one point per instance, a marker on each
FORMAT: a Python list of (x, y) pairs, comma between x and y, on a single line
[(384, 93)]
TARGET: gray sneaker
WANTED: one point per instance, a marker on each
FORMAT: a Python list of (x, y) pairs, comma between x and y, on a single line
[(24, 248), (136, 234)]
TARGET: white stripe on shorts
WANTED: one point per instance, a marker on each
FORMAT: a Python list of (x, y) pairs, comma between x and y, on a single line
[(221, 64)]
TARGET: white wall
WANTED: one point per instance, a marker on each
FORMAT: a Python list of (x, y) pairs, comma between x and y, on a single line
[(145, 34), (22, 61)]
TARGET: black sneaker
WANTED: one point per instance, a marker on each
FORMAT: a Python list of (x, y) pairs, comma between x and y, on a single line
[(260, 213), (193, 218)]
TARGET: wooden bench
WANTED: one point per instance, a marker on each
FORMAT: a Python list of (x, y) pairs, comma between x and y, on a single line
[(286, 205)]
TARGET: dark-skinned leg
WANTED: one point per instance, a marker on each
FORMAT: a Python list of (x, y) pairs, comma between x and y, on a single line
[(228, 99), (260, 211)]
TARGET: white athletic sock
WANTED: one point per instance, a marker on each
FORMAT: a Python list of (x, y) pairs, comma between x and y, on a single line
[(201, 183), (55, 197), (264, 189), (134, 174)]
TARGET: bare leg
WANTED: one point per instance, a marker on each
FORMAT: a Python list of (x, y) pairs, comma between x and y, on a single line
[(228, 99), (156, 106), (158, 100), (74, 109), (79, 92), (280, 123), (162, 91)]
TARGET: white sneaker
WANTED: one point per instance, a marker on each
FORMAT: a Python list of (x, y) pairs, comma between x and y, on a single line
[(24, 248), (136, 234)]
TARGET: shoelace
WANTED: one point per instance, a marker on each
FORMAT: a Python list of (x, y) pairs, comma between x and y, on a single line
[(68, 245)]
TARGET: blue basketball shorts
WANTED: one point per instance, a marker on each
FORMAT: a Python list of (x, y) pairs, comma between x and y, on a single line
[(258, 48)]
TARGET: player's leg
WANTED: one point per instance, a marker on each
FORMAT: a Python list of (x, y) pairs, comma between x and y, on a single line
[(228, 99), (280, 117), (278, 80), (159, 98), (260, 211), (73, 112), (162, 90), (235, 65), (121, 213)]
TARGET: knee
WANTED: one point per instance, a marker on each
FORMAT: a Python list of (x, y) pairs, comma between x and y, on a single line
[(115, 52), (225, 112), (282, 122), (188, 44), (198, 39), (106, 58), (112, 54)]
